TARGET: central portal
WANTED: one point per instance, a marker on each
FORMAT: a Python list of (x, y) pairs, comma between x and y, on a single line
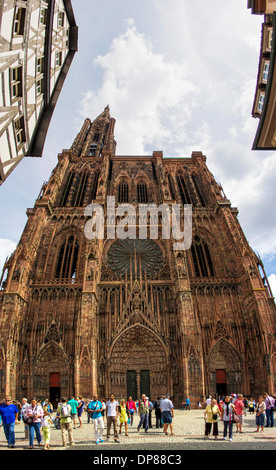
[(138, 383), (137, 365)]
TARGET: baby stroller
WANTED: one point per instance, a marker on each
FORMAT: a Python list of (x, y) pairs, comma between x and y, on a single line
[(56, 421)]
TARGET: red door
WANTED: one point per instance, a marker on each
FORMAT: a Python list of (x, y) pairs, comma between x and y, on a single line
[(54, 380)]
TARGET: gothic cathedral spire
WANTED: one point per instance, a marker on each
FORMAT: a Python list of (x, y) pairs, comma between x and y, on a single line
[(96, 136)]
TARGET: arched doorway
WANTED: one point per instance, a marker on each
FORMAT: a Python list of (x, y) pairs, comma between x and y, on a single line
[(224, 368), (137, 364), (50, 374)]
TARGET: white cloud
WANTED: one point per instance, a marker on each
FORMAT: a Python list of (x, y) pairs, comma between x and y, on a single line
[(163, 102), (272, 283), (143, 90), (6, 249)]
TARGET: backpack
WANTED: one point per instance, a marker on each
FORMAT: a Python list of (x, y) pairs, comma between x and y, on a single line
[(65, 411)]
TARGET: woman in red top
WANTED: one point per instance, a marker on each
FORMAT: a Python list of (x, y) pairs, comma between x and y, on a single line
[(131, 408)]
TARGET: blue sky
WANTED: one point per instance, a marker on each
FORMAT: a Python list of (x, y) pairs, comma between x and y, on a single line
[(178, 76)]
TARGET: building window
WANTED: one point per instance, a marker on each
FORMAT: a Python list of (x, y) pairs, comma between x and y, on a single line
[(96, 137), (40, 65), (58, 59), (19, 128), (142, 193), (265, 72), (261, 102), (92, 150), (16, 82), (269, 39), (67, 190), (94, 187), (123, 193), (80, 189), (61, 18), (40, 87), (198, 186), (67, 259), (183, 190), (203, 266), (19, 21), (43, 16)]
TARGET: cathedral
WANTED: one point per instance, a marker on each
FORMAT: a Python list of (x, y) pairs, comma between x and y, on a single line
[(131, 315)]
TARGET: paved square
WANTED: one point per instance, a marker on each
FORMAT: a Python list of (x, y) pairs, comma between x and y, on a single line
[(188, 429)]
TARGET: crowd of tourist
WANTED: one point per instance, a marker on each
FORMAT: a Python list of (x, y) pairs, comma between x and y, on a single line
[(37, 416), (232, 411)]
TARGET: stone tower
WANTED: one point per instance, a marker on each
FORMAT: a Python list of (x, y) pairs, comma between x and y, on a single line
[(132, 315)]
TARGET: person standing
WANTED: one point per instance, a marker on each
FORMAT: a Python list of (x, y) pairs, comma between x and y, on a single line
[(103, 407), (211, 415), (251, 406), (158, 412), (143, 410), (131, 408), (73, 404), (239, 406), (188, 406), (269, 410), (45, 426), (24, 406), (34, 414), (112, 415), (227, 416), (208, 401), (88, 410), (9, 415), (260, 414), (124, 416), (95, 408), (167, 414), (65, 412), (80, 410), (150, 413)]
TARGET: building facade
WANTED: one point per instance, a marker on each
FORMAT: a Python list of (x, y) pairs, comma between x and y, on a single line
[(38, 40), (261, 7), (264, 104), (129, 314)]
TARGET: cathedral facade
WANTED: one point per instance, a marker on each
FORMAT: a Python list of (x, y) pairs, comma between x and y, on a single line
[(132, 315)]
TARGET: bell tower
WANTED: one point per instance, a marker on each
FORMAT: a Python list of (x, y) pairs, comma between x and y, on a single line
[(95, 138)]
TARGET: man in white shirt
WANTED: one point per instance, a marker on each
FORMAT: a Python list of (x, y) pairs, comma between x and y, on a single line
[(95, 408), (112, 413), (166, 406)]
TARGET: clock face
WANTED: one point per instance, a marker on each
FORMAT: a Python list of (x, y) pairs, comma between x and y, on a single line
[(123, 254)]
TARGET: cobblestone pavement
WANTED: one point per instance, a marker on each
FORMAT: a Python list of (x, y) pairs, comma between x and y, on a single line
[(188, 429)]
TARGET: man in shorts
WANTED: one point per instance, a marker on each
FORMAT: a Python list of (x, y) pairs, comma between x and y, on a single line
[(74, 404), (239, 406), (167, 414)]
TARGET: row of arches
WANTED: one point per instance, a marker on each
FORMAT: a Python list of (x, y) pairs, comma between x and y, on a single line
[(137, 349), (124, 193), (81, 188)]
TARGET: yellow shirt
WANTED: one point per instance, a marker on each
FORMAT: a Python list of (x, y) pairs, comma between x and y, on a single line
[(209, 413)]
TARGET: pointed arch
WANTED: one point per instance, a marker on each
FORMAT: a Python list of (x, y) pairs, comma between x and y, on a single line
[(137, 348), (50, 359), (202, 265), (85, 372), (142, 192), (123, 191), (224, 357)]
